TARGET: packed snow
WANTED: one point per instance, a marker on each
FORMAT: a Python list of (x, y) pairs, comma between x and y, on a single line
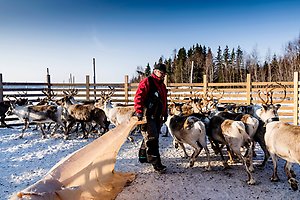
[(25, 161)]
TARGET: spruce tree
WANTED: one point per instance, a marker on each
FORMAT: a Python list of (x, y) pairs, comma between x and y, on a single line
[(147, 70)]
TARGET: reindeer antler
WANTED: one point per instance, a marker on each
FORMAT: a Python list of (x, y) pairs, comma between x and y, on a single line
[(216, 90), (263, 101), (49, 93), (105, 96), (269, 91), (284, 92), (71, 92)]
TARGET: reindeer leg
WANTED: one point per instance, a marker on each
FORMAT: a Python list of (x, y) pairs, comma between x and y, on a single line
[(253, 149), (194, 155), (251, 180), (230, 154), (202, 144), (49, 126), (85, 132), (290, 174), (237, 151), (3, 123), (225, 164), (183, 148), (208, 167), (214, 146), (259, 137), (26, 124), (67, 131), (54, 129), (42, 129), (274, 177), (249, 156)]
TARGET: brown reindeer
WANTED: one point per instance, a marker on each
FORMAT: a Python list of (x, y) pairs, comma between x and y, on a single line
[(83, 114)]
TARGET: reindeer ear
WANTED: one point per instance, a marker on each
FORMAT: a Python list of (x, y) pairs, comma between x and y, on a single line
[(264, 106), (259, 111), (277, 106)]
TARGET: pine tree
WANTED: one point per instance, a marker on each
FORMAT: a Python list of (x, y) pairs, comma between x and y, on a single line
[(226, 69), (209, 66), (274, 70), (240, 64), (147, 70), (232, 67), (180, 70), (219, 66)]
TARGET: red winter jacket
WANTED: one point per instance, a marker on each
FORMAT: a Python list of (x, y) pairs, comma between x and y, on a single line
[(142, 91)]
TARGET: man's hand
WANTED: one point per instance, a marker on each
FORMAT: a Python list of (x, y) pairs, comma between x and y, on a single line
[(139, 116), (165, 118)]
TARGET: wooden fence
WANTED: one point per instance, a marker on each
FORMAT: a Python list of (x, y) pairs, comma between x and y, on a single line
[(239, 93)]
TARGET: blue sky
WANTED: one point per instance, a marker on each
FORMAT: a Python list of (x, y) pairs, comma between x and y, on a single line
[(65, 35)]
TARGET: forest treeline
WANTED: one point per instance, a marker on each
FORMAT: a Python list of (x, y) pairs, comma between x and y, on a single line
[(227, 65)]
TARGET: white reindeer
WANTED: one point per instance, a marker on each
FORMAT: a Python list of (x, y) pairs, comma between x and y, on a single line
[(282, 139), (39, 114), (116, 114), (236, 137), (189, 130)]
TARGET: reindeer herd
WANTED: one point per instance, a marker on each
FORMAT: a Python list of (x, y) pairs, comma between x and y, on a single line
[(237, 128), (65, 113), (195, 122)]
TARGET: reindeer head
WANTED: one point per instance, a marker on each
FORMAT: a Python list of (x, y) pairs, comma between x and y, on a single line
[(105, 96), (209, 100), (15, 103), (175, 108), (268, 112), (269, 109)]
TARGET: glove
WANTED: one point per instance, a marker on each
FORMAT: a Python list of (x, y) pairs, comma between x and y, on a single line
[(139, 116), (165, 118)]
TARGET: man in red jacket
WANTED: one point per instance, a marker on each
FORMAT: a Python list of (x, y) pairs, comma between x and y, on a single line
[(151, 100)]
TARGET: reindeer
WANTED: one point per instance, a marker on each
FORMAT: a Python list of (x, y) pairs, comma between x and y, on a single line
[(83, 114), (4, 106), (189, 130), (206, 102), (39, 114), (116, 114), (282, 139), (260, 132)]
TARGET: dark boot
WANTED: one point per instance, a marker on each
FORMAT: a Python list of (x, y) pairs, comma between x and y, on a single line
[(156, 162), (160, 168), (143, 155)]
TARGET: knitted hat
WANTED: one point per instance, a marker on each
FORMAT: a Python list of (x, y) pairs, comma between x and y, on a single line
[(161, 67)]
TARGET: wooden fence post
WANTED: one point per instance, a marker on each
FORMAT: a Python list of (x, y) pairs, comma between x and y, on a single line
[(87, 86), (48, 80), (296, 96), (248, 90), (166, 80), (204, 84), (126, 89), (1, 88)]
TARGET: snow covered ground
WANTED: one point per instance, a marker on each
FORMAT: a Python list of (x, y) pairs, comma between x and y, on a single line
[(24, 161)]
